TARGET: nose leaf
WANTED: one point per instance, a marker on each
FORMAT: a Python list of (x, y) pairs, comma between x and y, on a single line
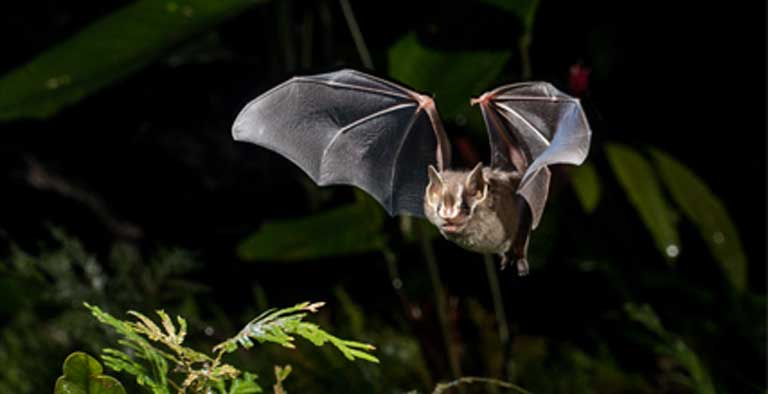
[(448, 212)]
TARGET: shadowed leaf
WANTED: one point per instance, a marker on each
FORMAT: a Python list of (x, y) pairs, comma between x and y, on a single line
[(586, 184), (346, 230), (640, 183), (451, 76), (106, 51), (706, 211)]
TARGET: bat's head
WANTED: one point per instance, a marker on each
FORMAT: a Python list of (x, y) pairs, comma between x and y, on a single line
[(452, 197)]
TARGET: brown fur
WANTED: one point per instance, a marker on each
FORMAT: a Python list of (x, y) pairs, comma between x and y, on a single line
[(486, 222)]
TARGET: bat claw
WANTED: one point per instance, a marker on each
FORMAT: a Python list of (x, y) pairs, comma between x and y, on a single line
[(522, 267), (504, 261), (521, 262), (480, 100)]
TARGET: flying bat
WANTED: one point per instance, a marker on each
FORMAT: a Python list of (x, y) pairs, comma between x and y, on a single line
[(349, 127)]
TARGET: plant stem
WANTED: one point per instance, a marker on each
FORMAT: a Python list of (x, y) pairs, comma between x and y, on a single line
[(307, 28), (471, 380), (357, 35), (440, 303), (524, 45), (498, 307), (285, 34)]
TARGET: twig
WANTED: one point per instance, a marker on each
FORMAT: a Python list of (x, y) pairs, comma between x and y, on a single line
[(441, 387), (307, 28), (524, 44), (40, 178), (357, 35), (441, 305), (498, 300), (285, 34), (498, 307)]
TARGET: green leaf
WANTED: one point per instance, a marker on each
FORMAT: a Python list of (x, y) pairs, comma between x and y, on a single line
[(451, 76), (706, 211), (640, 183), (245, 384), (586, 184), (280, 326), (525, 10), (347, 230), (82, 375), (106, 51)]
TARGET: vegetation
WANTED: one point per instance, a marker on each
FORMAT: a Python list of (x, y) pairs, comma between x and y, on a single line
[(123, 190)]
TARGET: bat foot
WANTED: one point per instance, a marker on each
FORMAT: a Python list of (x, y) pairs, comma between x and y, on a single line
[(522, 267), (504, 261), (521, 262)]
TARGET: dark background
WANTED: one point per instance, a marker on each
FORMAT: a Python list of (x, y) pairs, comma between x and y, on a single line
[(148, 161)]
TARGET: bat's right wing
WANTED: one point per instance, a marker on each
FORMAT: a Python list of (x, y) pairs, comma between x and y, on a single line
[(347, 127)]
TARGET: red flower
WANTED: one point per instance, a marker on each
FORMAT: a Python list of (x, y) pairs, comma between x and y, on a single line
[(578, 79)]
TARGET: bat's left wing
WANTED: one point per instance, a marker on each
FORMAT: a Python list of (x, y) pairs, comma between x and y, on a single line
[(532, 125)]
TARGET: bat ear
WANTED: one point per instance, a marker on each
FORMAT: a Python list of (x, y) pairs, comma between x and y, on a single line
[(475, 180), (434, 176), (435, 187)]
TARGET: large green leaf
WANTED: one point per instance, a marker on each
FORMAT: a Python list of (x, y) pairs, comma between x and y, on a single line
[(641, 184), (346, 230), (707, 212), (586, 184), (83, 375), (452, 76), (106, 51)]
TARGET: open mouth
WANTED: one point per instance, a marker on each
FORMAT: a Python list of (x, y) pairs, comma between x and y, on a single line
[(452, 227)]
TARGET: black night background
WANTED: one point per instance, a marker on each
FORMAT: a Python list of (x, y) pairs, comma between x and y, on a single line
[(121, 187)]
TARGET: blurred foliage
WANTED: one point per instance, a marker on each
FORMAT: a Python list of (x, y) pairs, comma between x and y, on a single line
[(702, 207), (576, 323), (44, 320), (356, 228), (116, 46), (636, 176), (461, 73), (83, 375), (692, 196), (586, 184)]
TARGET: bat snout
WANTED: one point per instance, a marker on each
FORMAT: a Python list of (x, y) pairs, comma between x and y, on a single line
[(454, 224)]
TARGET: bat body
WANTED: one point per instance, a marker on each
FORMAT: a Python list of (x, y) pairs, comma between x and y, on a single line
[(478, 209), (348, 127)]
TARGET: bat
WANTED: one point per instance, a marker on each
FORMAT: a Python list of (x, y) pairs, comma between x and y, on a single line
[(349, 127)]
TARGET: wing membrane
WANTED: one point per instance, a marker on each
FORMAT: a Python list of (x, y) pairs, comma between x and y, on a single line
[(347, 127), (544, 125)]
